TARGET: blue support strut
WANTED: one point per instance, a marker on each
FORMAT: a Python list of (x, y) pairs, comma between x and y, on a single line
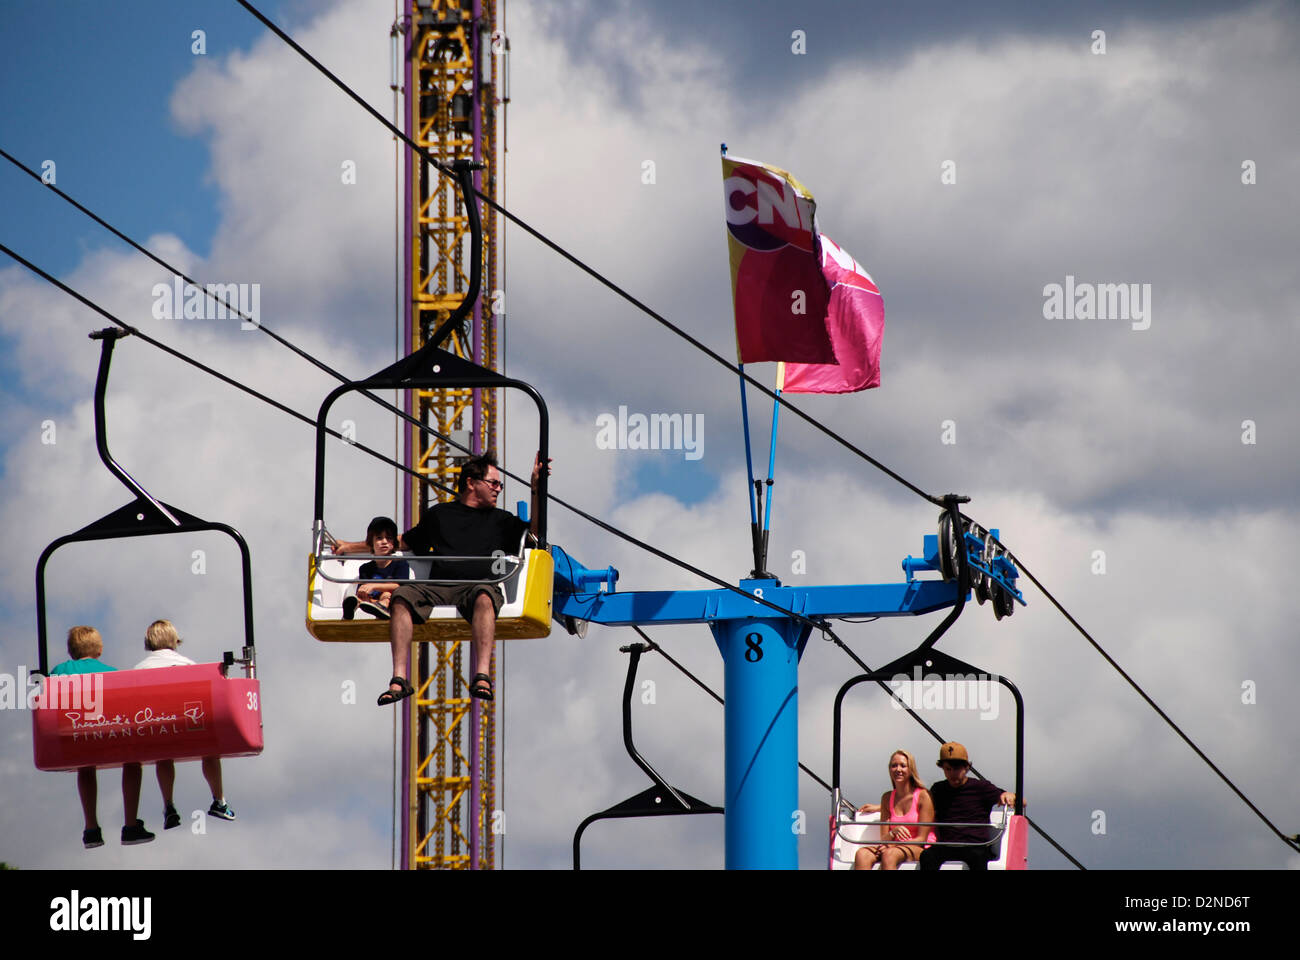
[(749, 457), (771, 454)]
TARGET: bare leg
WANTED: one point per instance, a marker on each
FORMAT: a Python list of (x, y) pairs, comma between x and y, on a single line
[(166, 774), (132, 774), (483, 631), (865, 858), (399, 637), (891, 858), (88, 790), (212, 774)]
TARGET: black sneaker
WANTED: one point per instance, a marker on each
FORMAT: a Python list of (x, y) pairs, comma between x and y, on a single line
[(376, 610), (170, 817), (221, 811), (349, 607), (136, 833), (92, 838)]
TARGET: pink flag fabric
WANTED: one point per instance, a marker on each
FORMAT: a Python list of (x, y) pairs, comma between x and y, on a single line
[(855, 322)]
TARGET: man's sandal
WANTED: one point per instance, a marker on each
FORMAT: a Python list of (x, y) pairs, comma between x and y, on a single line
[(392, 696), (481, 687)]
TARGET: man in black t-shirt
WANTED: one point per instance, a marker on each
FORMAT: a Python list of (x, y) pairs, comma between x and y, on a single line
[(959, 800), (469, 526)]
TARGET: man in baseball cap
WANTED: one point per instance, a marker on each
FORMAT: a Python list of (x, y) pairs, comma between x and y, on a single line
[(961, 808)]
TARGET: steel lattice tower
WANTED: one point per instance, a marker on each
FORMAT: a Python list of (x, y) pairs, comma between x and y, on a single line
[(448, 792)]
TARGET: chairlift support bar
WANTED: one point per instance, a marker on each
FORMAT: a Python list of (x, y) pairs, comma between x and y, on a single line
[(142, 517), (464, 170), (660, 800)]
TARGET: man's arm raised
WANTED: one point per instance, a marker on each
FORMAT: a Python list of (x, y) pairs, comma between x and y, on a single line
[(537, 472)]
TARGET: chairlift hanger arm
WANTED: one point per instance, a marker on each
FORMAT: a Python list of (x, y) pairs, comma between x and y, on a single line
[(464, 171), (144, 516), (659, 800), (108, 337)]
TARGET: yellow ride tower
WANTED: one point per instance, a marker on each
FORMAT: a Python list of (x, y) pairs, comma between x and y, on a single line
[(453, 50)]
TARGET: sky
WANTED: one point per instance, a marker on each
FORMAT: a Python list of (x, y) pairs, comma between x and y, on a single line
[(968, 155)]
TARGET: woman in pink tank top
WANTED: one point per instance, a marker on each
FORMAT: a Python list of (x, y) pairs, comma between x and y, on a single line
[(907, 803)]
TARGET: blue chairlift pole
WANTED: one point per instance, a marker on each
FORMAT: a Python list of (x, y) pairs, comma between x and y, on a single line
[(761, 658)]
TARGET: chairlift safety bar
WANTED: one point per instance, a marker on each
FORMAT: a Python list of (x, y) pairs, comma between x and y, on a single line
[(998, 829)]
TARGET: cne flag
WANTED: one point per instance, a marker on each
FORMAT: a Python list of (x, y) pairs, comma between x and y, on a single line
[(777, 287), (798, 296), (855, 320)]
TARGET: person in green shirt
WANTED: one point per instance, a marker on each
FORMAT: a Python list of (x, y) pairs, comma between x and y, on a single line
[(85, 646)]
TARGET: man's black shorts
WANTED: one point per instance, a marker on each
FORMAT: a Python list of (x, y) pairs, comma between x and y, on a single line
[(423, 597)]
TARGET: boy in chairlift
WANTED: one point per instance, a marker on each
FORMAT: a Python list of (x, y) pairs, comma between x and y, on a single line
[(373, 597), (85, 647)]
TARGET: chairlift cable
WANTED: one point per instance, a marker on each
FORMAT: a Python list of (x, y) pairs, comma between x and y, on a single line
[(1290, 842)]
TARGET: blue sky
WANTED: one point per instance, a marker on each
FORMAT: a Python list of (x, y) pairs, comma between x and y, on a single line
[(99, 109), (1073, 437)]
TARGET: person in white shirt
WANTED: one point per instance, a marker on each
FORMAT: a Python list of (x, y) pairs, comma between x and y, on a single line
[(161, 640)]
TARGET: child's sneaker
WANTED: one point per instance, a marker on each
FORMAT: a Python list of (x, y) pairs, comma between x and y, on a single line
[(135, 833), (170, 817), (349, 607), (92, 838), (221, 811)]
